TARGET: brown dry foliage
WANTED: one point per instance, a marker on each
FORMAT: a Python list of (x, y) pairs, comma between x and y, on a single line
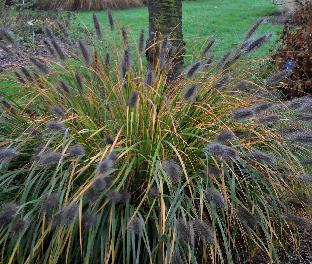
[(88, 4), (297, 46)]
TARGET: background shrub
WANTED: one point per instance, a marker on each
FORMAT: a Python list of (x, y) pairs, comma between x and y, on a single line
[(296, 51), (88, 4), (286, 6)]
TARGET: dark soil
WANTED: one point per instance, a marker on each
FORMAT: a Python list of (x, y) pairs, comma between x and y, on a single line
[(19, 56), (290, 254)]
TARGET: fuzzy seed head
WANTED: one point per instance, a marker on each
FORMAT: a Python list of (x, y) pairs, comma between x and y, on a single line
[(18, 227), (290, 131), (305, 108), (299, 221), (49, 204), (58, 50), (301, 137), (150, 78), (165, 44), (254, 44), (214, 171), (222, 82), (246, 217), (209, 46), (261, 157), (99, 184), (107, 59), (38, 150), (190, 93), (154, 192), (63, 28), (105, 166), (269, 120), (203, 231), (254, 28), (84, 51), (164, 51), (77, 151), (88, 220), (242, 85), (48, 33), (224, 60), (233, 57), (304, 178), (113, 156), (20, 77), (277, 77), (40, 64), (133, 99), (66, 215), (297, 103), (7, 106), (243, 114), (49, 46), (57, 111), (185, 232), (49, 158), (27, 74), (5, 48), (119, 197), (7, 213), (6, 35), (64, 86), (225, 136), (306, 162), (208, 62), (177, 258), (8, 154), (110, 19), (262, 107), (215, 198), (126, 63), (172, 169), (124, 35), (220, 150), (193, 69), (79, 81), (136, 225), (108, 140), (141, 41), (56, 126), (97, 26)]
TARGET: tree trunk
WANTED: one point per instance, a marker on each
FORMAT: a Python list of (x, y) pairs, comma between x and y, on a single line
[(165, 19)]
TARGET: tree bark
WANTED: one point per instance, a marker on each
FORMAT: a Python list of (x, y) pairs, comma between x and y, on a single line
[(165, 19)]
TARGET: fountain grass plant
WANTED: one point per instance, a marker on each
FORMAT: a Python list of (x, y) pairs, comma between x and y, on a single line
[(108, 162)]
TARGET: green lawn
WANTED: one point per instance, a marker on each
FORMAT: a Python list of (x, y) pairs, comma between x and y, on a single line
[(228, 20)]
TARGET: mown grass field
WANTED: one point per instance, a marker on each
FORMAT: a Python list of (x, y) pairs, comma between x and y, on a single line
[(228, 20)]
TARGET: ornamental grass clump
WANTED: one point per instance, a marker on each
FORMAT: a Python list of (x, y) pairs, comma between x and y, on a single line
[(139, 171)]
